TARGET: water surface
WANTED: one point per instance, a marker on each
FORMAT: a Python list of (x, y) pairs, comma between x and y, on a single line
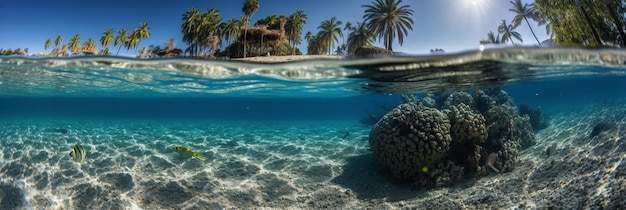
[(296, 135)]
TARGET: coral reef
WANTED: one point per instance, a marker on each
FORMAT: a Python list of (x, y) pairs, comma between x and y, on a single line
[(445, 173), (444, 137), (536, 120), (409, 138), (458, 98), (467, 125)]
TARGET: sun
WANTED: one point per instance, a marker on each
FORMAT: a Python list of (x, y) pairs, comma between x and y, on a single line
[(474, 6), (474, 2)]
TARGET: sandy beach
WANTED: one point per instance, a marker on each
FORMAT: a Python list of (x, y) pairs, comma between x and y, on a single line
[(288, 58)]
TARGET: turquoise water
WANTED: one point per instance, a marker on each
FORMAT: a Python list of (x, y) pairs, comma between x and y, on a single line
[(297, 135)]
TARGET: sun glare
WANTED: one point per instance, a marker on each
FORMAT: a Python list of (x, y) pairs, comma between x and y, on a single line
[(474, 3), (473, 7)]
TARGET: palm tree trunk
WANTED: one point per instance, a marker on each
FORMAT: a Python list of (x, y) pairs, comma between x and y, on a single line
[(593, 30), (329, 47), (531, 31), (245, 41), (118, 50), (617, 23), (511, 38)]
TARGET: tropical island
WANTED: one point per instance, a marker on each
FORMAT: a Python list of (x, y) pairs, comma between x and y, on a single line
[(211, 36)]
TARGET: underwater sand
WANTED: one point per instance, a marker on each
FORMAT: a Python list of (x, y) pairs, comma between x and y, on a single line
[(290, 165)]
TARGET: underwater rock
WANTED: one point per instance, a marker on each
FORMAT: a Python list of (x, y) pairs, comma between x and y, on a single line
[(119, 181), (536, 120), (408, 98), (11, 197), (551, 150), (169, 195), (408, 138), (273, 187), (600, 127), (60, 130), (329, 198)]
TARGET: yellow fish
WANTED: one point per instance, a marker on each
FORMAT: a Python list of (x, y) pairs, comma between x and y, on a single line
[(78, 153), (186, 152)]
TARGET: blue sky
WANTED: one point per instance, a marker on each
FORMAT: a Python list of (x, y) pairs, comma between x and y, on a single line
[(453, 25)]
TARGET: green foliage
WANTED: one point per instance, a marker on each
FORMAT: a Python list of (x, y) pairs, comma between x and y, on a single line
[(508, 32), (200, 30), (524, 12), (17, 51), (491, 39), (387, 19), (571, 27), (330, 31), (281, 48), (359, 36)]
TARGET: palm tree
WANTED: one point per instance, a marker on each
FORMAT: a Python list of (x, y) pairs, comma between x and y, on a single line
[(132, 41), (199, 28), (249, 8), (296, 24), (213, 42), (89, 47), (209, 28), (387, 19), (74, 44), (230, 29), (359, 36), (347, 27), (524, 12), (491, 39), (270, 21), (47, 44), (58, 41), (104, 51), (330, 31), (508, 32), (190, 28), (308, 36), (106, 39), (542, 18), (121, 39), (143, 30), (314, 47)]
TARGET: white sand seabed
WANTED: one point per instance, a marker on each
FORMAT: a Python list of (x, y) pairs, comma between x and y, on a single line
[(293, 166)]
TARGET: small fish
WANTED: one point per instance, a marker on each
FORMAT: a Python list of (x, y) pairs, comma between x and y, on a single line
[(78, 153), (186, 152)]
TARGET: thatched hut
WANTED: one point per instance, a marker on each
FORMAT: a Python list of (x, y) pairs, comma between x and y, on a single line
[(261, 38)]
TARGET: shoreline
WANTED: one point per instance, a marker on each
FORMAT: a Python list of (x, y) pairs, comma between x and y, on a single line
[(287, 58)]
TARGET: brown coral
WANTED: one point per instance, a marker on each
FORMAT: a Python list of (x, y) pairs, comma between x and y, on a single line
[(467, 125), (408, 138)]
